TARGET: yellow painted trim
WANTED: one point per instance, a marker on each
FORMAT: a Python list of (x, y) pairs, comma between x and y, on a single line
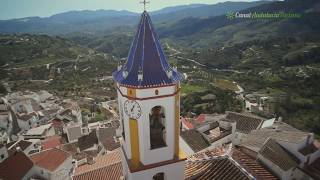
[(177, 122), (182, 155), (134, 138), (131, 92)]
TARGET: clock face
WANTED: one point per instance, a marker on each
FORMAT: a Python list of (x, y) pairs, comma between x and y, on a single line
[(132, 109)]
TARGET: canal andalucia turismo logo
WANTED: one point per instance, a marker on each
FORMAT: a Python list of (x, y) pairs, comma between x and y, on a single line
[(262, 15)]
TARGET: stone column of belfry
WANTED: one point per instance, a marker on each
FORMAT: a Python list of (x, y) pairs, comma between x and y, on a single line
[(148, 90)]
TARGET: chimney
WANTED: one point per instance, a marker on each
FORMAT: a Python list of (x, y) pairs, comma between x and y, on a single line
[(169, 73), (119, 66), (18, 149), (175, 68)]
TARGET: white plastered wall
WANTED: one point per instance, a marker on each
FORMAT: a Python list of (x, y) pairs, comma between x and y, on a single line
[(148, 156)]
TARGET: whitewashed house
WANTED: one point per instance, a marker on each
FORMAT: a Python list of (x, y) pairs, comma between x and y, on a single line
[(53, 164)]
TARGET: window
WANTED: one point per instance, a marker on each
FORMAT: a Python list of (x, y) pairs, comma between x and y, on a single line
[(159, 176), (157, 127)]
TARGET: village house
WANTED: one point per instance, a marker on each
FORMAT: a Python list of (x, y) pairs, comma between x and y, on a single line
[(108, 139), (5, 119), (89, 142), (41, 132), (283, 149), (54, 164), (72, 111), (3, 104), (209, 135), (245, 123), (16, 167), (21, 145), (106, 166), (74, 131), (51, 142), (3, 153)]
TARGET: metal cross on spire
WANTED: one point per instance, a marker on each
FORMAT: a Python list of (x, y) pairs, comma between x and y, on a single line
[(144, 2)]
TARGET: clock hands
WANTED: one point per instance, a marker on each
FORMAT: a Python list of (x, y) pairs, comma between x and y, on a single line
[(133, 107)]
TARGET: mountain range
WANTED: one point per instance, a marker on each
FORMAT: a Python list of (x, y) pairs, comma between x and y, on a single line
[(93, 22), (279, 57), (221, 31)]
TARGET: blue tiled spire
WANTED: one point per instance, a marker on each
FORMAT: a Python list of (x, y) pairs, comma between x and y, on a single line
[(147, 65)]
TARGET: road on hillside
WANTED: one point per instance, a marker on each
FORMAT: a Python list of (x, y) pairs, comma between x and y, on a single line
[(177, 52)]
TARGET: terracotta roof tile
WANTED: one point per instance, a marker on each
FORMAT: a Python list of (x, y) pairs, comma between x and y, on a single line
[(57, 123), (52, 142), (218, 168), (111, 172), (245, 122), (50, 159), (107, 138), (195, 140), (87, 141), (201, 118), (100, 162), (274, 152), (257, 138), (187, 123), (251, 165), (210, 153), (15, 167)]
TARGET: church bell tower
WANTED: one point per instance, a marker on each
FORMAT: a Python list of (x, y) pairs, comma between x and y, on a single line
[(149, 106)]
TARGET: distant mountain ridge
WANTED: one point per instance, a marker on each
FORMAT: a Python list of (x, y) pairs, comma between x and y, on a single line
[(102, 20), (176, 8), (220, 31), (87, 15)]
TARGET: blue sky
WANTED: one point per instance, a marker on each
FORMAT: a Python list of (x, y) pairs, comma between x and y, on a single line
[(23, 8)]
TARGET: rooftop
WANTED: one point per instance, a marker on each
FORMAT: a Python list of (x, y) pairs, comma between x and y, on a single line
[(245, 122), (277, 154), (252, 165), (8, 145), (210, 153), (202, 119), (147, 58), (105, 167), (22, 144), (38, 130), (50, 159), (52, 142), (26, 117), (112, 172), (257, 138), (217, 168), (87, 141), (100, 162), (108, 139), (195, 140), (18, 163)]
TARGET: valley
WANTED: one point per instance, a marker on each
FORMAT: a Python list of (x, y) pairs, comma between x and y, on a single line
[(278, 59)]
